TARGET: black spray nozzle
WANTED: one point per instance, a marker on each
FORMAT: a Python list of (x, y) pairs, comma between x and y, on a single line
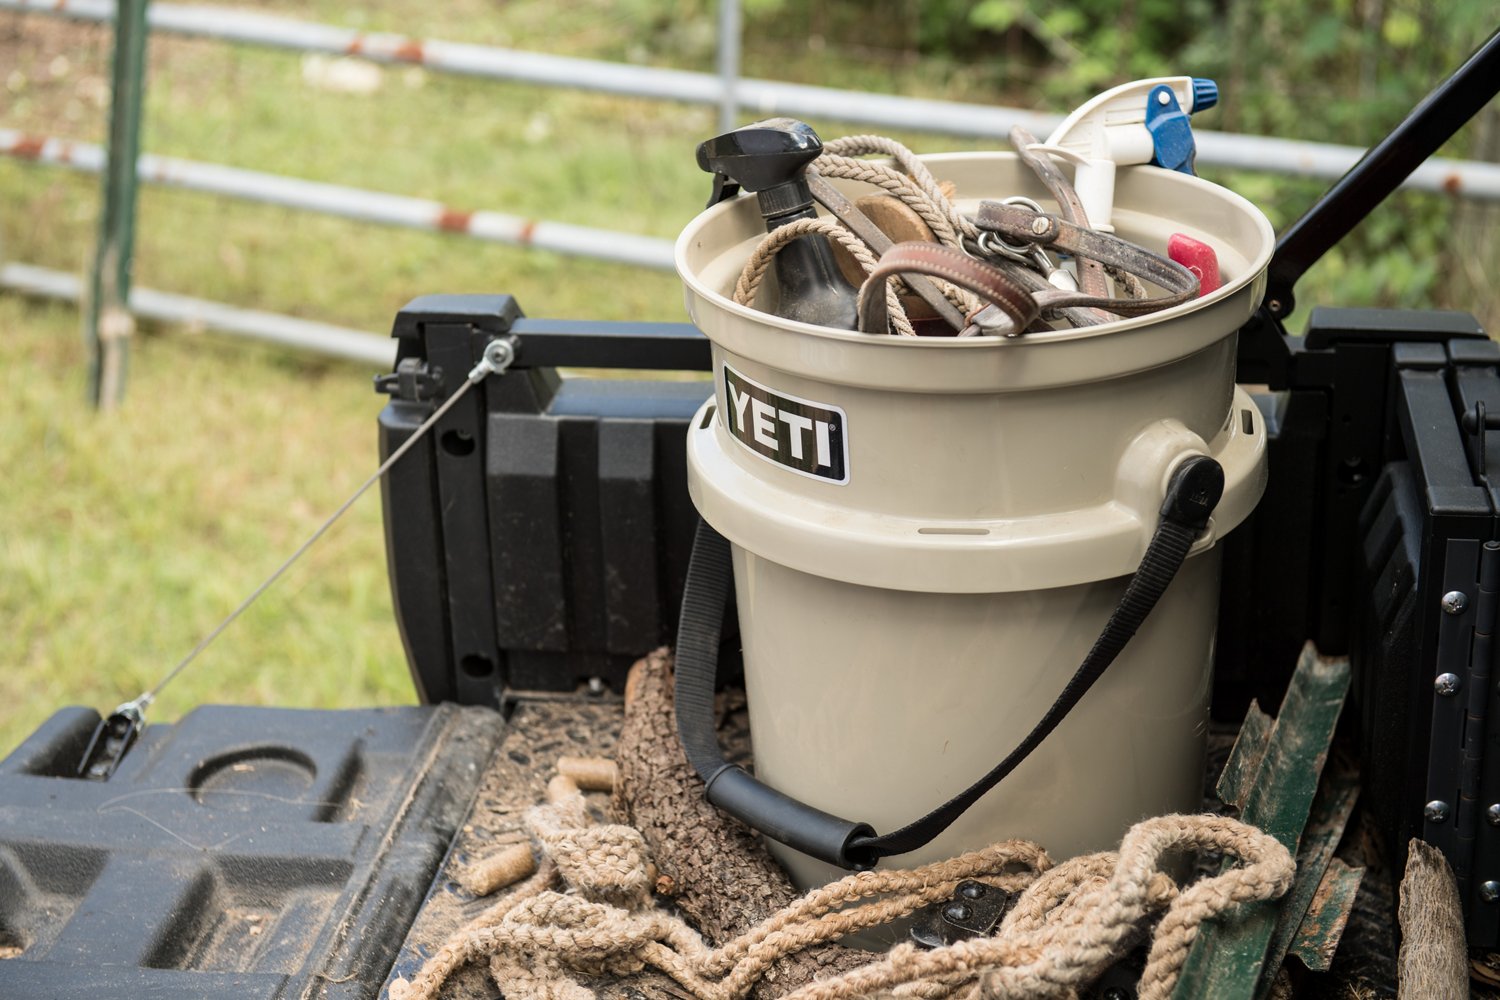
[(770, 158), (767, 158)]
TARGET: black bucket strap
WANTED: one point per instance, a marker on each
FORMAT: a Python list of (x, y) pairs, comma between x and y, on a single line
[(1194, 491)]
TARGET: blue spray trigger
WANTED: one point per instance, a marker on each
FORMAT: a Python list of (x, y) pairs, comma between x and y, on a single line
[(1171, 132)]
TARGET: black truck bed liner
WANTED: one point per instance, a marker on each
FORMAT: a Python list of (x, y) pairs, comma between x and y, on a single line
[(255, 853)]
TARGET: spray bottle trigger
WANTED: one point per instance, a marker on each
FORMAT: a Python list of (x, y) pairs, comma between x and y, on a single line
[(1171, 133), (725, 187)]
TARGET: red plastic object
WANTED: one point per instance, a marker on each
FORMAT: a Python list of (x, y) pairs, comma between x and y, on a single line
[(1198, 258)]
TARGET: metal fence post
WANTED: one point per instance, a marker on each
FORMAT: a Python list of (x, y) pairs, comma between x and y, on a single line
[(729, 63), (108, 324)]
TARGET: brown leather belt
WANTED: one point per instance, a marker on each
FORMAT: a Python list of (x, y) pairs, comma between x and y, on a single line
[(954, 266), (1013, 308)]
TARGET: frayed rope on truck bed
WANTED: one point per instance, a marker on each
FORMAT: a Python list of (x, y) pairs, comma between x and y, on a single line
[(588, 911)]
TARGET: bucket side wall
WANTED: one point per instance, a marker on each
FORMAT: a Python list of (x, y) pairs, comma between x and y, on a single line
[(879, 705), (960, 456)]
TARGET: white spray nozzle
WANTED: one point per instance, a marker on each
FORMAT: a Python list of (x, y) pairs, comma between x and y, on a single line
[(1144, 121)]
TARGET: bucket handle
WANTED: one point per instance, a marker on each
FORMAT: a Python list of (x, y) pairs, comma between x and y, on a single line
[(1193, 491)]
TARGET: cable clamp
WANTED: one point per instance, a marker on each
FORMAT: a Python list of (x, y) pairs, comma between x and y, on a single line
[(499, 354), (112, 738)]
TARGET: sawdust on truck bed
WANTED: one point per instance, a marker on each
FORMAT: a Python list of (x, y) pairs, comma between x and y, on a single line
[(536, 735)]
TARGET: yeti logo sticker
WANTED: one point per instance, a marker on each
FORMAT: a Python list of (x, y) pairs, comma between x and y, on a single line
[(797, 434)]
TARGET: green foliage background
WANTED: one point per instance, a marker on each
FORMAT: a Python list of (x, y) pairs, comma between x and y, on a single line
[(124, 537)]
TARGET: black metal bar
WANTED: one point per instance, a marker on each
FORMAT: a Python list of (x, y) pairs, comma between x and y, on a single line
[(555, 343), (1380, 171)]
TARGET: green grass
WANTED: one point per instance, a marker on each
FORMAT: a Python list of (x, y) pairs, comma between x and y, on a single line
[(124, 537), (127, 536)]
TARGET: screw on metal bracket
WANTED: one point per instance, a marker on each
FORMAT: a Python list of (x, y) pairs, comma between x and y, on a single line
[(1489, 891), (1436, 811), (1454, 602), (1447, 684)]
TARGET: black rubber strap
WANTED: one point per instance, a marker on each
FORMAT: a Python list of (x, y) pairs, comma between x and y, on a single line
[(1194, 491)]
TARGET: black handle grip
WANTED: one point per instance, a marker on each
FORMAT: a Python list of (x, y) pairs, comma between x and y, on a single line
[(787, 821)]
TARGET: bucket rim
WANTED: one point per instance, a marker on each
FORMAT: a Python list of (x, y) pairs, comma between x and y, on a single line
[(1254, 272)]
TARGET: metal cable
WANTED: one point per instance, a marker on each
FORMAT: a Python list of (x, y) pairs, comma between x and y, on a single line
[(497, 357)]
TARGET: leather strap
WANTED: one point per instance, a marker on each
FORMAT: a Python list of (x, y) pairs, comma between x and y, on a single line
[(1016, 307), (1033, 282), (1020, 224), (1091, 277)]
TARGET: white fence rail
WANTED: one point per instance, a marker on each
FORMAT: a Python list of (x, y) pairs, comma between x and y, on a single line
[(727, 91)]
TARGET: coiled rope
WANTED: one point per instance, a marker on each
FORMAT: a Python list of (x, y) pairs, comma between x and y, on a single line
[(588, 911), (766, 250), (913, 184)]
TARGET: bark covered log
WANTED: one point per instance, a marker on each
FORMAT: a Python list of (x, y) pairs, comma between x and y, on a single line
[(1434, 959), (713, 867)]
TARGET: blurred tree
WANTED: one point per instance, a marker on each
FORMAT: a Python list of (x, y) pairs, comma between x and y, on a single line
[(1341, 71)]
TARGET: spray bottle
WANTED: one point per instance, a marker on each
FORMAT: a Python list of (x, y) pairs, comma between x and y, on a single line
[(768, 158), (1139, 122)]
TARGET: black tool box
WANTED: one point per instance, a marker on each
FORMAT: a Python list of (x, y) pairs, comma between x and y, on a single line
[(1429, 578)]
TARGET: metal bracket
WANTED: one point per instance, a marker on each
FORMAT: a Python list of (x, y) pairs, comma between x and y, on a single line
[(975, 910), (413, 380), (112, 739)]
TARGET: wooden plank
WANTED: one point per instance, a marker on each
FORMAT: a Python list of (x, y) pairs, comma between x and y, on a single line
[(1245, 757), (1226, 959), (1330, 814), (1318, 936)]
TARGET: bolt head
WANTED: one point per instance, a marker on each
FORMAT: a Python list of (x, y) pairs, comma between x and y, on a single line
[(1040, 226), (1489, 891), (499, 353), (1447, 685), (1436, 811), (971, 890), (957, 911), (1455, 601)]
